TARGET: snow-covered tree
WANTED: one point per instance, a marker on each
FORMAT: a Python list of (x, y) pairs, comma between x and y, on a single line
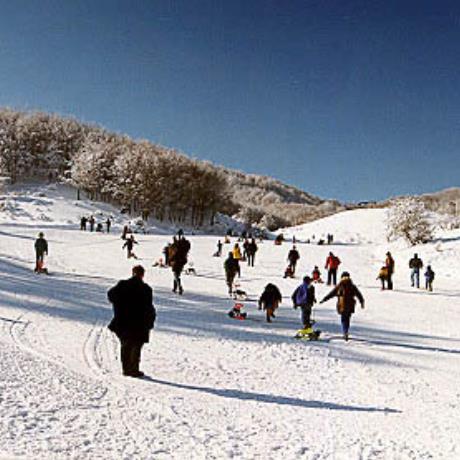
[(408, 219)]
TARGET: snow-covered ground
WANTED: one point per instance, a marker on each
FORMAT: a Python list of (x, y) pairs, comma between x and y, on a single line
[(216, 387)]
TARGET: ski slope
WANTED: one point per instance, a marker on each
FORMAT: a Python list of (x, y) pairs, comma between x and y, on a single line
[(217, 388)]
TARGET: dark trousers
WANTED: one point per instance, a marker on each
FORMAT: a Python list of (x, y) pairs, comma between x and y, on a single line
[(130, 355), (306, 314), (230, 279), (345, 320), (292, 264), (177, 285), (251, 259), (389, 281), (332, 276)]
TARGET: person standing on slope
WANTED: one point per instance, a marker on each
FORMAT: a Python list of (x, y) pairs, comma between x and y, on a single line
[(41, 248), (270, 300), (134, 317), (304, 297), (108, 224), (293, 258), (429, 278), (415, 264), (390, 266), (231, 267), (345, 292), (332, 264), (177, 259), (251, 252)]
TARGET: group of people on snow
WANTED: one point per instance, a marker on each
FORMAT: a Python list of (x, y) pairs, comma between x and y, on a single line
[(93, 225)]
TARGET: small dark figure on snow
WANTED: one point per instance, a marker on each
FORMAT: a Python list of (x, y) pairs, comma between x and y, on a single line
[(429, 278), (332, 264), (129, 245), (293, 258), (41, 248), (304, 297), (83, 222), (219, 249), (125, 232), (288, 273), (270, 301), (134, 317), (178, 253), (415, 264), (92, 222), (345, 292), (390, 266), (251, 252), (99, 228), (383, 276), (232, 267), (108, 224)]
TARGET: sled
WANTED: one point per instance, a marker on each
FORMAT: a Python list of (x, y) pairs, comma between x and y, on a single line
[(308, 334)]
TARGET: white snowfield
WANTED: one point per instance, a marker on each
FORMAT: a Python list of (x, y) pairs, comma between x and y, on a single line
[(218, 388)]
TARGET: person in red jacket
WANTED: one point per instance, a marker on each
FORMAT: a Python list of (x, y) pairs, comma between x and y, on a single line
[(332, 264)]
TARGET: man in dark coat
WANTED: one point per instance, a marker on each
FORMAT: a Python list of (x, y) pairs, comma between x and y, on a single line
[(41, 248), (177, 260), (134, 317), (293, 257), (232, 267), (415, 264), (345, 292), (251, 252)]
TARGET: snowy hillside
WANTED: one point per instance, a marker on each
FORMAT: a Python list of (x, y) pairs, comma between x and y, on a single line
[(215, 387)]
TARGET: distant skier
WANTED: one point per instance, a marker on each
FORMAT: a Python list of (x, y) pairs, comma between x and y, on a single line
[(108, 224), (177, 260), (129, 245), (304, 297), (390, 266), (41, 248), (92, 222), (415, 264), (345, 292), (293, 258), (83, 222), (332, 264), (134, 317), (232, 267), (251, 252), (429, 278), (270, 300)]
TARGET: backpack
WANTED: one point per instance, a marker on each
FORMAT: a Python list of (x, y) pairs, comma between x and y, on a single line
[(345, 296), (301, 295)]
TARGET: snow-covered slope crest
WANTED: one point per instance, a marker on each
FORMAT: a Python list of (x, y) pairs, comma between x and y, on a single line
[(359, 226)]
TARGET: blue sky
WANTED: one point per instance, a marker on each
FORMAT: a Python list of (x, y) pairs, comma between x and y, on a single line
[(351, 100)]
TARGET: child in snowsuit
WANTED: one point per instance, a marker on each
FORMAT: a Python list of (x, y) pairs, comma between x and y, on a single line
[(304, 297), (129, 245), (316, 275), (383, 276), (41, 248), (429, 278), (270, 300)]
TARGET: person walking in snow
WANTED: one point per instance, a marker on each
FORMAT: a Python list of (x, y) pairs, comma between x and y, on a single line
[(41, 248), (92, 222), (346, 292), (83, 222), (415, 264), (108, 224), (177, 260), (390, 266), (270, 300), (251, 252), (293, 258), (231, 267), (332, 265), (304, 297), (134, 318), (129, 245), (429, 278)]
